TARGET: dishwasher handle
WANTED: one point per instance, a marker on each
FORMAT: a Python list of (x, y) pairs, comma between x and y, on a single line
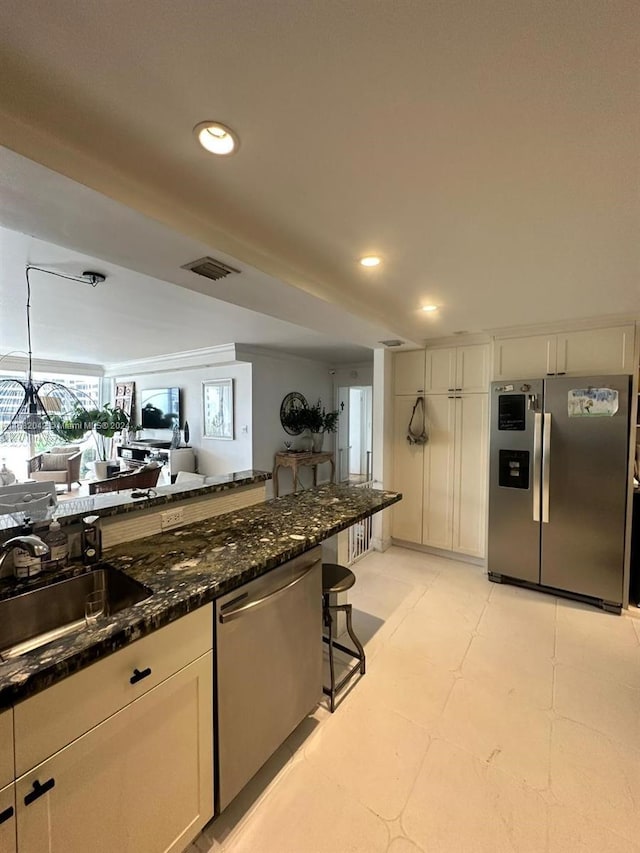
[(236, 612)]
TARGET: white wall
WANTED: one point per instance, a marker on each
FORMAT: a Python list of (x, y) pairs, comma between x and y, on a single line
[(213, 456), (274, 376)]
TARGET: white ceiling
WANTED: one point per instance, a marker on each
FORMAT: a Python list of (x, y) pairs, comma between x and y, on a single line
[(488, 151), (131, 316)]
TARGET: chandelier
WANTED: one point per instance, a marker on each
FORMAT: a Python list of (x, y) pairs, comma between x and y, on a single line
[(43, 409)]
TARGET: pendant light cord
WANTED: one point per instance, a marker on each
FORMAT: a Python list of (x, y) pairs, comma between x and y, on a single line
[(91, 278), (29, 318)]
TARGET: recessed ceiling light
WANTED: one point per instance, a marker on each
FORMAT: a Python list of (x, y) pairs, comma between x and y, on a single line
[(429, 308), (370, 261), (216, 138)]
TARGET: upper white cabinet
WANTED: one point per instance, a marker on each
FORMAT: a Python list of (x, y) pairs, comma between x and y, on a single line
[(524, 358), (408, 370), (596, 351), (442, 370), (472, 368), (450, 369), (608, 350), (440, 375)]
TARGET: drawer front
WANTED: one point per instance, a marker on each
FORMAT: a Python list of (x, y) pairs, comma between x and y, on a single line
[(58, 715), (6, 748), (8, 819)]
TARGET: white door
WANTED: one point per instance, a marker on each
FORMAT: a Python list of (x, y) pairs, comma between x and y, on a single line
[(596, 351), (437, 529), (407, 476), (141, 782), (7, 819), (440, 377), (472, 368), (408, 371), (524, 358), (470, 483)]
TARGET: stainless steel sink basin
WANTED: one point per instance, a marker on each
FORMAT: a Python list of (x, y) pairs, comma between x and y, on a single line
[(43, 615)]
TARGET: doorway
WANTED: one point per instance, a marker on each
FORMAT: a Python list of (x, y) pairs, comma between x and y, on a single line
[(355, 434)]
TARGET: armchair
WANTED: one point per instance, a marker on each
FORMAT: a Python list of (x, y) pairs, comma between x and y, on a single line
[(60, 464)]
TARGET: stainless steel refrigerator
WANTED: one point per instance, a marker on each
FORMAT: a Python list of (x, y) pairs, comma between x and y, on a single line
[(559, 483)]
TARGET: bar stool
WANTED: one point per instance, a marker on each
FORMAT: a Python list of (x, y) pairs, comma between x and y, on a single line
[(337, 579)]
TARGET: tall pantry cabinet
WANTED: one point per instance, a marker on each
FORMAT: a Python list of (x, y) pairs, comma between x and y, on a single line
[(443, 482)]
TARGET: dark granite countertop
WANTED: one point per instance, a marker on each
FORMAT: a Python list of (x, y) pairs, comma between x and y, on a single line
[(190, 566), (117, 503)]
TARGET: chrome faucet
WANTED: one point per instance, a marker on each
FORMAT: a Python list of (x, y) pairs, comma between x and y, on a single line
[(33, 544)]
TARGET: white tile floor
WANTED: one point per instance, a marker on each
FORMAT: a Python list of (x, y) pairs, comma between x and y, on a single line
[(490, 719)]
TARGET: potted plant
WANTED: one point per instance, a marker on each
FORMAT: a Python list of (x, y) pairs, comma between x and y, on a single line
[(103, 423), (318, 421)]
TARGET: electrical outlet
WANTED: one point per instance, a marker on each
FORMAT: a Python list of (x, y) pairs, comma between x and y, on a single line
[(171, 518)]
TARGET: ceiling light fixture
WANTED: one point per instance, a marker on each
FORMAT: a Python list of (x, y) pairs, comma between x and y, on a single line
[(216, 138), (370, 261), (429, 308), (29, 408)]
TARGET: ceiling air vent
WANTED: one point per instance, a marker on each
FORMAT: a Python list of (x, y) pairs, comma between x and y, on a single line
[(393, 343), (209, 268)]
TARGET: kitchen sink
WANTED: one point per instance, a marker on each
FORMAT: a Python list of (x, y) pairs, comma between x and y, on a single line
[(35, 618)]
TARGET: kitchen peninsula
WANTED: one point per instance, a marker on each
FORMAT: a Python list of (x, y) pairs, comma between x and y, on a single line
[(111, 504), (111, 728)]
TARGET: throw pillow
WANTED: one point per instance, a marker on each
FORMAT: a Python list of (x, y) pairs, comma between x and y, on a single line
[(54, 461)]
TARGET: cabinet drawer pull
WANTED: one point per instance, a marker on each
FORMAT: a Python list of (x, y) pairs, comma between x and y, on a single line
[(139, 674), (6, 814), (39, 790)]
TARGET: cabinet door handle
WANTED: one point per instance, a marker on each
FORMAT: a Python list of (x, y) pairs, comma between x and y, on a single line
[(39, 790), (139, 674), (6, 814)]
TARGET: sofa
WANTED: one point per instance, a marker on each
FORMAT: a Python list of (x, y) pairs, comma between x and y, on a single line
[(60, 464)]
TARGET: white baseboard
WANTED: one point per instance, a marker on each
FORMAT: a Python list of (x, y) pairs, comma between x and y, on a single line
[(441, 552)]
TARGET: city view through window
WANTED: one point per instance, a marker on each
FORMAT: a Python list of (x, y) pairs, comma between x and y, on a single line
[(15, 455)]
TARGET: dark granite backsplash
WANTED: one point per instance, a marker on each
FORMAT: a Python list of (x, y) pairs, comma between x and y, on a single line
[(191, 566)]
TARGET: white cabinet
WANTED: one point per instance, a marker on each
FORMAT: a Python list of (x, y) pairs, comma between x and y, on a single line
[(140, 782), (51, 719), (524, 358), (407, 475), (408, 372), (8, 819), (440, 370), (457, 369), (438, 472), (455, 462), (119, 756), (469, 498), (472, 368), (596, 351), (587, 351), (443, 483), (6, 748)]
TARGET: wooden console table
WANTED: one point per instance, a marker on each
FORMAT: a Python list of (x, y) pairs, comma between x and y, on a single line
[(301, 460)]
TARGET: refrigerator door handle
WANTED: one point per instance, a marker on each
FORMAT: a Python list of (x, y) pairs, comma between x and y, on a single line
[(546, 465), (537, 460)]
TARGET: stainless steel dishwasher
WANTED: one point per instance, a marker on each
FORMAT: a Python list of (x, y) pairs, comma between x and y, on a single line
[(269, 667)]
